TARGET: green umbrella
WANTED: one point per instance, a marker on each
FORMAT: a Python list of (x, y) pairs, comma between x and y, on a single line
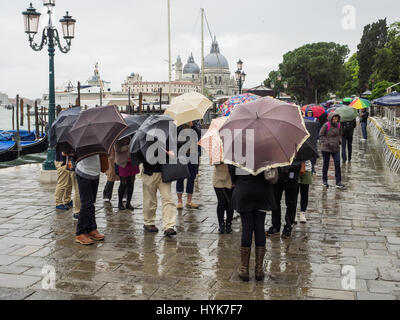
[(346, 113), (348, 100)]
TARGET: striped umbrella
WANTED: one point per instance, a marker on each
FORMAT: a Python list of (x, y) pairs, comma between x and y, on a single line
[(360, 104)]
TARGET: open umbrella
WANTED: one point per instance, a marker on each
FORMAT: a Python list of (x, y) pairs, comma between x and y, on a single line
[(227, 107), (188, 107), (347, 100), (62, 131), (360, 104), (133, 122), (390, 100), (62, 115), (317, 110), (346, 113), (211, 141), (155, 127), (309, 149), (96, 130), (268, 131)]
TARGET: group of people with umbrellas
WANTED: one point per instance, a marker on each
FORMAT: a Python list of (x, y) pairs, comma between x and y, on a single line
[(259, 148)]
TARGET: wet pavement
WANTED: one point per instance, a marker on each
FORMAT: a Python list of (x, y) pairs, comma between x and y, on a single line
[(355, 231)]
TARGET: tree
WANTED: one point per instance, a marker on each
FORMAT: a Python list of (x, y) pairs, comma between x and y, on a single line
[(374, 38), (380, 89), (314, 68), (387, 59), (351, 69)]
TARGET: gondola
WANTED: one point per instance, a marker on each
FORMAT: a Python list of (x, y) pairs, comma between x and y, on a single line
[(38, 146), (8, 151)]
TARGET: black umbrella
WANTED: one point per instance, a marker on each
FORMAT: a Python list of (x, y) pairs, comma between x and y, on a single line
[(154, 128), (309, 149), (62, 115), (134, 122), (62, 133), (96, 130)]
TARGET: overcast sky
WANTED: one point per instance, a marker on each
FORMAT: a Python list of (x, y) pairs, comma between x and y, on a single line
[(127, 36)]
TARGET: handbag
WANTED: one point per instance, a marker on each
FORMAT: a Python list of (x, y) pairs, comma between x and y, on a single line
[(271, 175), (103, 163), (172, 172), (303, 169)]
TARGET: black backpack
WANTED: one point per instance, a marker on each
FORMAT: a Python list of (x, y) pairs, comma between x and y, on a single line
[(347, 128)]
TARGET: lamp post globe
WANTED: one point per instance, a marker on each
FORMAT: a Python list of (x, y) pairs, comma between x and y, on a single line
[(240, 64), (49, 3), (68, 26), (31, 20)]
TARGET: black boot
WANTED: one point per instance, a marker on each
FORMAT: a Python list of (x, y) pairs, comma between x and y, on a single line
[(228, 228), (221, 228)]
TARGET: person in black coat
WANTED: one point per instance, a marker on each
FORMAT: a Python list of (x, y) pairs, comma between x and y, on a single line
[(252, 198), (347, 138), (288, 183)]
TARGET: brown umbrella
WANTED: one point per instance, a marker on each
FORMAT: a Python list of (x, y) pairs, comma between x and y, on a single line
[(96, 130), (263, 134)]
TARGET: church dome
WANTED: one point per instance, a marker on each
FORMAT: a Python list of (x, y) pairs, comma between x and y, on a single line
[(215, 60), (191, 66)]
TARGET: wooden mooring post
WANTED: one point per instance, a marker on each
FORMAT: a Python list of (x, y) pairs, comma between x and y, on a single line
[(21, 102), (13, 117), (37, 121), (28, 114)]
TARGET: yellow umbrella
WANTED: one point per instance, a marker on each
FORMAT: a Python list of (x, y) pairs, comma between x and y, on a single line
[(188, 107)]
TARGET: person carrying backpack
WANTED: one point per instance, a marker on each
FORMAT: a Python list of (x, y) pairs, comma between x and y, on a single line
[(330, 138), (347, 138)]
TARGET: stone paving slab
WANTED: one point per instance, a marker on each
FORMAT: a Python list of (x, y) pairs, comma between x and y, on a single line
[(356, 227)]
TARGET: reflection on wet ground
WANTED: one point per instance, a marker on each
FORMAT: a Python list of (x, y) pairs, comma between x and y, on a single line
[(357, 227)]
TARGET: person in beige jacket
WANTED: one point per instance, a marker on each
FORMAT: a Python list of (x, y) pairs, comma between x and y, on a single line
[(223, 187)]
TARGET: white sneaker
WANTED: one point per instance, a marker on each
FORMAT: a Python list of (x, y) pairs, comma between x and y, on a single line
[(303, 217), (297, 218), (106, 200)]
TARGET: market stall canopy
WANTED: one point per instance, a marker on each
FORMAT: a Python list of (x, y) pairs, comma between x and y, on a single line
[(391, 100)]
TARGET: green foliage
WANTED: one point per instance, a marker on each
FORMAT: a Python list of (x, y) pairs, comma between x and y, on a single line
[(351, 70), (313, 67), (374, 37), (380, 89), (387, 59)]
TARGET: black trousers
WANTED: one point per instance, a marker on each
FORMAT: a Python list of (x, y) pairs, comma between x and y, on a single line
[(224, 196), (347, 140), (87, 192), (253, 222), (108, 190), (303, 191), (126, 187), (290, 189)]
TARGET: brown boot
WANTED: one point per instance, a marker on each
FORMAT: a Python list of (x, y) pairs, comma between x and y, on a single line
[(244, 265), (259, 267), (96, 236), (83, 239)]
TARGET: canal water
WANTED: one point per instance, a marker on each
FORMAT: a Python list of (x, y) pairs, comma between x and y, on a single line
[(6, 124)]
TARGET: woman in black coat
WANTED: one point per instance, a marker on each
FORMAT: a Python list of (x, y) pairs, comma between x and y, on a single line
[(252, 197)]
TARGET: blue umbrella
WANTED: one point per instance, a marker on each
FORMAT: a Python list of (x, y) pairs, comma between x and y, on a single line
[(391, 100)]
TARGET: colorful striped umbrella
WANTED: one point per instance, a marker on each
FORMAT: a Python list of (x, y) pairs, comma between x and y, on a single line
[(227, 107), (360, 104)]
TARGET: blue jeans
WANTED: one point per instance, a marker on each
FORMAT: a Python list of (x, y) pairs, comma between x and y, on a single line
[(193, 169), (364, 129), (326, 156)]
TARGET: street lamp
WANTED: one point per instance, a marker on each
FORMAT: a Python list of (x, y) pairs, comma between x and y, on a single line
[(278, 85), (50, 37), (240, 75)]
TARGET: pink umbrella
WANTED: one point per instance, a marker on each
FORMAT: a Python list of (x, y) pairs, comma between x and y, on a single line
[(211, 141)]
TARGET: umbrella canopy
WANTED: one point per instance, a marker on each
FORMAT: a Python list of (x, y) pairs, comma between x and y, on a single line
[(211, 141), (96, 130), (309, 149), (347, 100), (227, 107), (62, 131), (346, 113), (391, 100), (62, 115), (268, 131), (155, 127), (317, 110), (133, 122), (360, 104), (188, 107)]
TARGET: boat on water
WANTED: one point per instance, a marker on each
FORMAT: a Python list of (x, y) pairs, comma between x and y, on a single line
[(28, 143)]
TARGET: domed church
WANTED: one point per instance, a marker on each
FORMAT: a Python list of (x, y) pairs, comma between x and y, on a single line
[(217, 77)]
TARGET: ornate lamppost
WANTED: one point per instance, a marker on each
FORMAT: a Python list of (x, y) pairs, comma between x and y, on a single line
[(278, 85), (240, 75), (50, 37)]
